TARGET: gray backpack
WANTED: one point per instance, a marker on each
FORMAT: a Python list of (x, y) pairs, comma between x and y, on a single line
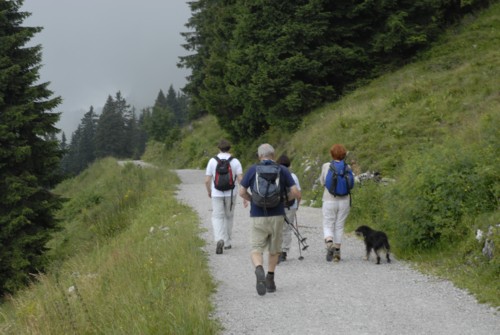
[(266, 190)]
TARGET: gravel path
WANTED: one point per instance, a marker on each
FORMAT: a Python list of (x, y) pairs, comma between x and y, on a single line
[(316, 297)]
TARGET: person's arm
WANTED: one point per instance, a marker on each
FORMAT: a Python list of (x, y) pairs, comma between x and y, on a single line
[(239, 178), (208, 185), (243, 191), (294, 193), (322, 176)]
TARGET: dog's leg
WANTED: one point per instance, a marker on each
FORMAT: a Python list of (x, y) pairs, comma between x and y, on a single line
[(387, 251), (378, 255), (368, 250)]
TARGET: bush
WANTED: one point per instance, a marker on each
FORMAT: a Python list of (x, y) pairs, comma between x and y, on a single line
[(432, 199)]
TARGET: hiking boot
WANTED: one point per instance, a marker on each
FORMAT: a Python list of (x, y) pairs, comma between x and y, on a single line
[(228, 247), (329, 251), (220, 246), (270, 285), (261, 280), (336, 255), (329, 255), (282, 257)]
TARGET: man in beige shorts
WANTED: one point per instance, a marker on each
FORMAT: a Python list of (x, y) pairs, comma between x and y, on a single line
[(267, 211)]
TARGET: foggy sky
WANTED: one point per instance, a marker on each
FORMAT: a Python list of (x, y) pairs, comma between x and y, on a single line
[(94, 48)]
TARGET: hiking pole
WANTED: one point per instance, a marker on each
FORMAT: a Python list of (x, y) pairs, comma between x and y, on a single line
[(300, 238), (297, 226)]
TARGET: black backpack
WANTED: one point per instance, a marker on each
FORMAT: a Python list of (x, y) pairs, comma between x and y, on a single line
[(224, 180), (266, 190)]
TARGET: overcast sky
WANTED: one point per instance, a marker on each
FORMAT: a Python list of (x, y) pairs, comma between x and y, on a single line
[(94, 48)]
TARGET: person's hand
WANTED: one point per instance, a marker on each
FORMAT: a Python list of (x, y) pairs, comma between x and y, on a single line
[(245, 203)]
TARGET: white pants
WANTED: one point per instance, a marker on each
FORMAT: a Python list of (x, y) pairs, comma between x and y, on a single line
[(335, 214), (222, 218), (287, 230)]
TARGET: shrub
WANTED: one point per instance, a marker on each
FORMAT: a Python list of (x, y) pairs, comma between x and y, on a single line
[(433, 198)]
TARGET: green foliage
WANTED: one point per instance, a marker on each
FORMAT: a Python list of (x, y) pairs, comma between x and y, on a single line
[(259, 65), (29, 154), (110, 137), (133, 261), (81, 151), (435, 199), (196, 145)]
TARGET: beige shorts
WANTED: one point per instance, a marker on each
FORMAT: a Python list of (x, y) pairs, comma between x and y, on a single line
[(267, 234)]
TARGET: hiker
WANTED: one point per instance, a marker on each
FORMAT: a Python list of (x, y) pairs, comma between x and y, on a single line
[(291, 207), (267, 182), (336, 206), (222, 190)]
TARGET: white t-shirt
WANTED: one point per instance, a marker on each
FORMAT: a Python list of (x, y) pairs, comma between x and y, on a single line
[(294, 176), (235, 167)]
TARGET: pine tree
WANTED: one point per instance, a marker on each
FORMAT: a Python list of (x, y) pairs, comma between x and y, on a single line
[(29, 154), (174, 106), (110, 137), (86, 147), (160, 124)]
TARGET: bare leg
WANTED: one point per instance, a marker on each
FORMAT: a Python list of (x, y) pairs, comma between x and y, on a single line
[(273, 261)]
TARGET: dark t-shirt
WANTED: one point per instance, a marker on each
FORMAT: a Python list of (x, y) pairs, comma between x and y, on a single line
[(247, 182)]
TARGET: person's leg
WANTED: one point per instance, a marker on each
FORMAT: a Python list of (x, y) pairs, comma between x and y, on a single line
[(343, 208), (218, 217), (258, 237), (329, 217), (275, 224), (257, 258), (229, 219)]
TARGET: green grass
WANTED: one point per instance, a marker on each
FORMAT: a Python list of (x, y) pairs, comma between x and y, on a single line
[(128, 262)]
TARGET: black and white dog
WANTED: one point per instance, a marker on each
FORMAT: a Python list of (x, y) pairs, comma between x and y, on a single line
[(375, 240)]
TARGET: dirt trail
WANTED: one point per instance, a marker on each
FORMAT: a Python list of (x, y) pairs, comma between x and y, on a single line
[(316, 297)]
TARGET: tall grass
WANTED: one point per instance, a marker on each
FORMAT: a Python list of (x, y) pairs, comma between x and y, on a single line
[(129, 262)]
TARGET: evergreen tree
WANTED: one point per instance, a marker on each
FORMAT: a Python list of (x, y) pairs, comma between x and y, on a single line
[(64, 142), (133, 136), (72, 161), (110, 138), (86, 145), (29, 154), (198, 46), (173, 105), (160, 125), (142, 137)]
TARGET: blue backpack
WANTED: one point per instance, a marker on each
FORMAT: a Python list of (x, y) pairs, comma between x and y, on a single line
[(339, 179)]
